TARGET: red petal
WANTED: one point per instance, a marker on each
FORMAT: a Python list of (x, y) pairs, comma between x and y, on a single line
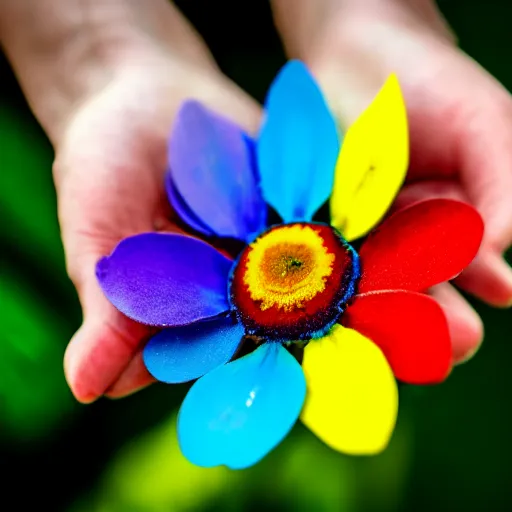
[(411, 330), (421, 246)]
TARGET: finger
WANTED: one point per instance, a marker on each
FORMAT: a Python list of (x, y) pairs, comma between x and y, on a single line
[(488, 277), (466, 328), (134, 378), (92, 222), (485, 148), (91, 368), (107, 341), (429, 189), (486, 162), (103, 346)]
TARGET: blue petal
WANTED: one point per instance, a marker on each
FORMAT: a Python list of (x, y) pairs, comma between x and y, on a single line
[(183, 210), (237, 413), (298, 145), (180, 354), (212, 168)]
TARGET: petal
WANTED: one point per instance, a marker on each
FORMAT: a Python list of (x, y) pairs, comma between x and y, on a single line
[(183, 210), (211, 161), (411, 330), (372, 164), (421, 246), (180, 354), (237, 413), (165, 279), (298, 145), (352, 397)]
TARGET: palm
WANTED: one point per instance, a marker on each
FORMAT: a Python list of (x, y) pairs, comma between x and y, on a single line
[(459, 126), (460, 121), (114, 161), (111, 185)]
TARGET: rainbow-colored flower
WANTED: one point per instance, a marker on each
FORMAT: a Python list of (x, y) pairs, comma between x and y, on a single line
[(330, 328)]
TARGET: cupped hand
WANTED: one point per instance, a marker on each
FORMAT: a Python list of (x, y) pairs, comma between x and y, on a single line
[(112, 152), (110, 161), (460, 121)]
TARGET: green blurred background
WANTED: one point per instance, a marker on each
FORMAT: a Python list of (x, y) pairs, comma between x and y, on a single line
[(452, 447)]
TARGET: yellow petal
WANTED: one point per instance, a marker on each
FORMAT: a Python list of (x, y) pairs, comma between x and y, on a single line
[(352, 397), (372, 164)]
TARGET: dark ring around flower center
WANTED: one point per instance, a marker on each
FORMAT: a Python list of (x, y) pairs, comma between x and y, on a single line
[(293, 282)]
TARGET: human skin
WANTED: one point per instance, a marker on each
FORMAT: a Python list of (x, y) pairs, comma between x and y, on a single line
[(105, 80), (460, 121)]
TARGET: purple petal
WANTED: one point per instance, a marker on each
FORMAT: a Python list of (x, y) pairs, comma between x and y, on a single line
[(212, 166), (182, 209), (165, 279)]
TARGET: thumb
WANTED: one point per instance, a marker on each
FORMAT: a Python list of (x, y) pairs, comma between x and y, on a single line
[(105, 343)]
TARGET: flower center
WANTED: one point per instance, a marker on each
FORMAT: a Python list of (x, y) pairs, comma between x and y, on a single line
[(293, 281)]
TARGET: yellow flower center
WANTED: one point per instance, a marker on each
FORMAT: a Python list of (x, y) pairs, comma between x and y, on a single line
[(287, 267)]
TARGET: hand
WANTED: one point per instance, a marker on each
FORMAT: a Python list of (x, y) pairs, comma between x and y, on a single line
[(110, 160), (460, 121), (106, 91)]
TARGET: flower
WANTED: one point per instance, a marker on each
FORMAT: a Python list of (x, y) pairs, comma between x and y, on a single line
[(361, 318)]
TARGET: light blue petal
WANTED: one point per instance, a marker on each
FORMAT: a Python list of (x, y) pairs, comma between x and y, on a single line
[(180, 354), (298, 145), (237, 413)]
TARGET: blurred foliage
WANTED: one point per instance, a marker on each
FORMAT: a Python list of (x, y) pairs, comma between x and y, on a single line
[(151, 474), (27, 195), (451, 449), (33, 393), (302, 474)]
